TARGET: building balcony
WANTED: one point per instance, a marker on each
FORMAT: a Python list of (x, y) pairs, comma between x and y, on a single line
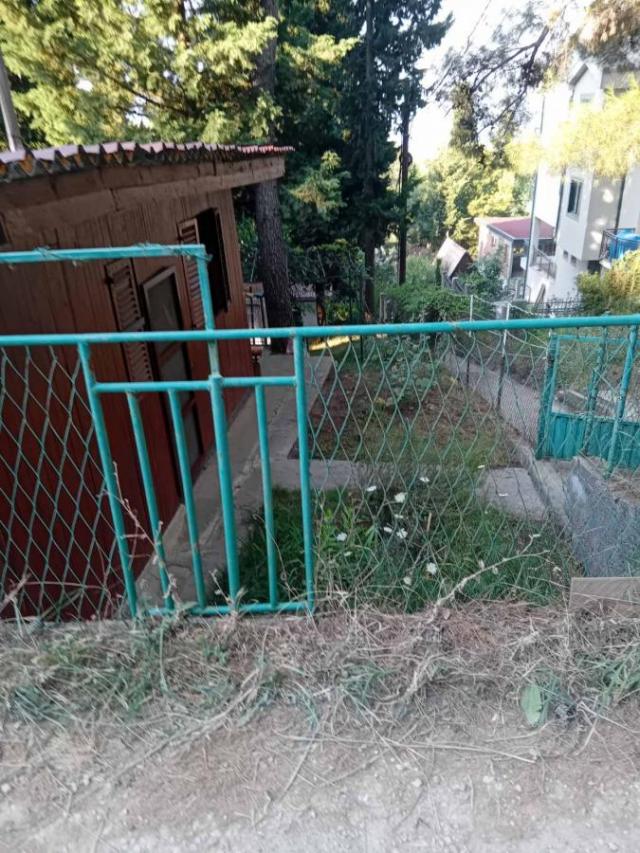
[(617, 242), (544, 262)]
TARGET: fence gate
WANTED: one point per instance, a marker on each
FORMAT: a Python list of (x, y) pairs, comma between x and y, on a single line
[(591, 398)]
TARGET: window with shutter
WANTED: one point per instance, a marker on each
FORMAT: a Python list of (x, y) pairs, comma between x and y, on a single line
[(188, 233), (129, 318), (206, 228)]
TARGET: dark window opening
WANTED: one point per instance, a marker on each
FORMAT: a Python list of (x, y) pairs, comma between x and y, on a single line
[(4, 237), (575, 194), (206, 228), (210, 228)]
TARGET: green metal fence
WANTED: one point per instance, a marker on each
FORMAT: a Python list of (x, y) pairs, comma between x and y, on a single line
[(415, 456)]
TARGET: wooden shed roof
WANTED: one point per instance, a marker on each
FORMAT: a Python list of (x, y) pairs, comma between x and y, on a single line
[(26, 163)]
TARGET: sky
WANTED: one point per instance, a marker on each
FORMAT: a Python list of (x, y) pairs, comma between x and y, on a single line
[(473, 19), (473, 22)]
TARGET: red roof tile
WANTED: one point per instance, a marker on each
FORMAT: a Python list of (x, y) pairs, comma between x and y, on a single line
[(519, 228)]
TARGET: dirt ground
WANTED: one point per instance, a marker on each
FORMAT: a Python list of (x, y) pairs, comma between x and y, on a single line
[(459, 770)]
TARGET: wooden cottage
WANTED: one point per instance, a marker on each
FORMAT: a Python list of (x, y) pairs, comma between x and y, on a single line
[(56, 540)]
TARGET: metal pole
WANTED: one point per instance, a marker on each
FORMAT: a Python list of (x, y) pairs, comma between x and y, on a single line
[(9, 117), (187, 489), (267, 492), (503, 362), (622, 397), (592, 396), (305, 479), (150, 494), (546, 402), (110, 480)]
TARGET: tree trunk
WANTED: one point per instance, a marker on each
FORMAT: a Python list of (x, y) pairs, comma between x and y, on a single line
[(272, 260), (368, 241), (404, 177), (273, 263)]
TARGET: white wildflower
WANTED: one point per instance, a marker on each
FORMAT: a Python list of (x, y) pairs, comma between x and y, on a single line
[(400, 497), (398, 515), (406, 580), (432, 568), (341, 537), (424, 480), (480, 467), (371, 489), (401, 534), (387, 529)]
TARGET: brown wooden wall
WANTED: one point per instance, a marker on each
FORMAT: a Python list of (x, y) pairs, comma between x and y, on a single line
[(66, 298)]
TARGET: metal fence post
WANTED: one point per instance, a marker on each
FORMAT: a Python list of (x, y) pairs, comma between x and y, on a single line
[(503, 362), (267, 492), (305, 478), (594, 387), (150, 495), (110, 480), (546, 402), (622, 397)]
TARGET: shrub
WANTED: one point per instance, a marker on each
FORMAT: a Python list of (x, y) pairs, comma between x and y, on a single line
[(617, 291), (422, 297), (484, 277)]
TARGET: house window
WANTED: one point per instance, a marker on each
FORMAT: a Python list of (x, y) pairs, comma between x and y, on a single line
[(586, 99), (565, 255), (575, 194), (574, 260)]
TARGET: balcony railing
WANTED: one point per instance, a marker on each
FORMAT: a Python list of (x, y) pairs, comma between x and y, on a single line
[(545, 263), (617, 242)]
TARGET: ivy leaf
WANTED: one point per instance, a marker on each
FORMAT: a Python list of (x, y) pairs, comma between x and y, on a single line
[(533, 704)]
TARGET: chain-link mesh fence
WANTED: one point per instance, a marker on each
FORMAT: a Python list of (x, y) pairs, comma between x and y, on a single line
[(56, 536), (492, 461)]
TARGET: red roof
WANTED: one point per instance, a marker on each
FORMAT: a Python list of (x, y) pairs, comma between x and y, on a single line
[(25, 163), (520, 228)]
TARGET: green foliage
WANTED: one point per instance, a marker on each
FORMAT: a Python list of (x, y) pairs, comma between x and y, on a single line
[(616, 291), (147, 70), (337, 266), (457, 188), (421, 297), (484, 277)]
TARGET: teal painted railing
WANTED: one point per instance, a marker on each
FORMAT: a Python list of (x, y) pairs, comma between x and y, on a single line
[(214, 385), (565, 434)]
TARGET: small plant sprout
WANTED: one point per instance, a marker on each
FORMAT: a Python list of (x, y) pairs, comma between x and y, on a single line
[(400, 497), (341, 537)]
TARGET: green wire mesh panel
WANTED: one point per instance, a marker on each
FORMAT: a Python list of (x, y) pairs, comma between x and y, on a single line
[(57, 541), (424, 470)]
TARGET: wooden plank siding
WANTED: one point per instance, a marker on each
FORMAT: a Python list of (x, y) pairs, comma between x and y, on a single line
[(66, 298)]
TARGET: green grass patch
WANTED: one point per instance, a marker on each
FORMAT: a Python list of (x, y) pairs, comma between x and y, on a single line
[(371, 549)]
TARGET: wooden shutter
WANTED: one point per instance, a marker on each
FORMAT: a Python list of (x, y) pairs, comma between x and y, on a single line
[(188, 233), (129, 318)]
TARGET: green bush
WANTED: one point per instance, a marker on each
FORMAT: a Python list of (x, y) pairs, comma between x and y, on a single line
[(484, 277), (617, 291), (422, 297)]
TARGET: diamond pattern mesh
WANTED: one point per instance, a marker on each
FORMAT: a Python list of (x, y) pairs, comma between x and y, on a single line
[(57, 541)]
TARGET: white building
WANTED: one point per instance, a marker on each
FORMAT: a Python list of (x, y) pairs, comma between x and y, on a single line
[(594, 219)]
